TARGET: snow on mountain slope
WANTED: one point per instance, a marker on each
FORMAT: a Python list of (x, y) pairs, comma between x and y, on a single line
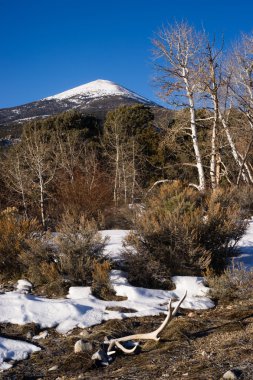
[(96, 89), (95, 98)]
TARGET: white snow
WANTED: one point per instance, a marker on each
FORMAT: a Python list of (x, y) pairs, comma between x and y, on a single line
[(24, 286), (11, 349), (246, 248), (115, 243), (81, 309), (96, 89)]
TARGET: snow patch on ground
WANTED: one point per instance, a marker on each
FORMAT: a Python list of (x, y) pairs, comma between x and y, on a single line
[(114, 245), (82, 309), (245, 246), (11, 349)]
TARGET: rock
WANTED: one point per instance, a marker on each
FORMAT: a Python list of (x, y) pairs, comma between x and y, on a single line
[(24, 286), (54, 368), (42, 335), (102, 357), (84, 333), (232, 374), (29, 335), (83, 346), (191, 314)]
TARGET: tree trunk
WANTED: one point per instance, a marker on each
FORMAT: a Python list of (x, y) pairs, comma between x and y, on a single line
[(199, 165), (134, 173), (116, 177), (42, 210), (233, 148), (213, 162)]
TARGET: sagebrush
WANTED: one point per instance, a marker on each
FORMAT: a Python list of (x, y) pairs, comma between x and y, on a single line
[(101, 283), (183, 232), (236, 282), (15, 233), (79, 244)]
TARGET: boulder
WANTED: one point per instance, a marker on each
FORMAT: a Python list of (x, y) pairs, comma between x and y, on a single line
[(232, 374), (83, 346)]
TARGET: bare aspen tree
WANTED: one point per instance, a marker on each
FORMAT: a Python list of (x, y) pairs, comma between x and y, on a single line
[(112, 144), (69, 150), (224, 113), (231, 98), (120, 150), (41, 163), (241, 85), (242, 78), (123, 151), (212, 82), (179, 48), (16, 176), (90, 165)]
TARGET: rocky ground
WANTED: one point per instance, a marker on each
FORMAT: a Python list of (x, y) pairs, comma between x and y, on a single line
[(195, 345)]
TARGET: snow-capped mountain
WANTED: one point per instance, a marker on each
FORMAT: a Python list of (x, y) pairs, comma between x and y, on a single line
[(97, 89), (94, 98)]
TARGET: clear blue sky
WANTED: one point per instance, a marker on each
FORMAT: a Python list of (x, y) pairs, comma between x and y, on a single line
[(49, 46)]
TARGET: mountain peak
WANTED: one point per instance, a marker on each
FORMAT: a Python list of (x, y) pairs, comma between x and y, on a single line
[(96, 89), (94, 98)]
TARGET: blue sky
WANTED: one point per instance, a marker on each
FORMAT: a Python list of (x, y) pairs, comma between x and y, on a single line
[(51, 46)]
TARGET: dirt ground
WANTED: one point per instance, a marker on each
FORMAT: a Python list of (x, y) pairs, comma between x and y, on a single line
[(195, 345)]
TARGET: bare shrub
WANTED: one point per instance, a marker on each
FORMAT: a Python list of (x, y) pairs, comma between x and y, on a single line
[(118, 218), (101, 283), (14, 234), (244, 197), (79, 245), (234, 283), (42, 268), (143, 268), (183, 232), (88, 194)]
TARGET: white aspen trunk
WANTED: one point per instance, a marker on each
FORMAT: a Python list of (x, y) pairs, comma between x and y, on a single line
[(245, 166), (124, 176), (218, 168), (22, 188), (42, 211), (202, 184), (24, 203), (213, 161), (134, 173), (244, 163), (199, 165), (116, 177), (233, 147)]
